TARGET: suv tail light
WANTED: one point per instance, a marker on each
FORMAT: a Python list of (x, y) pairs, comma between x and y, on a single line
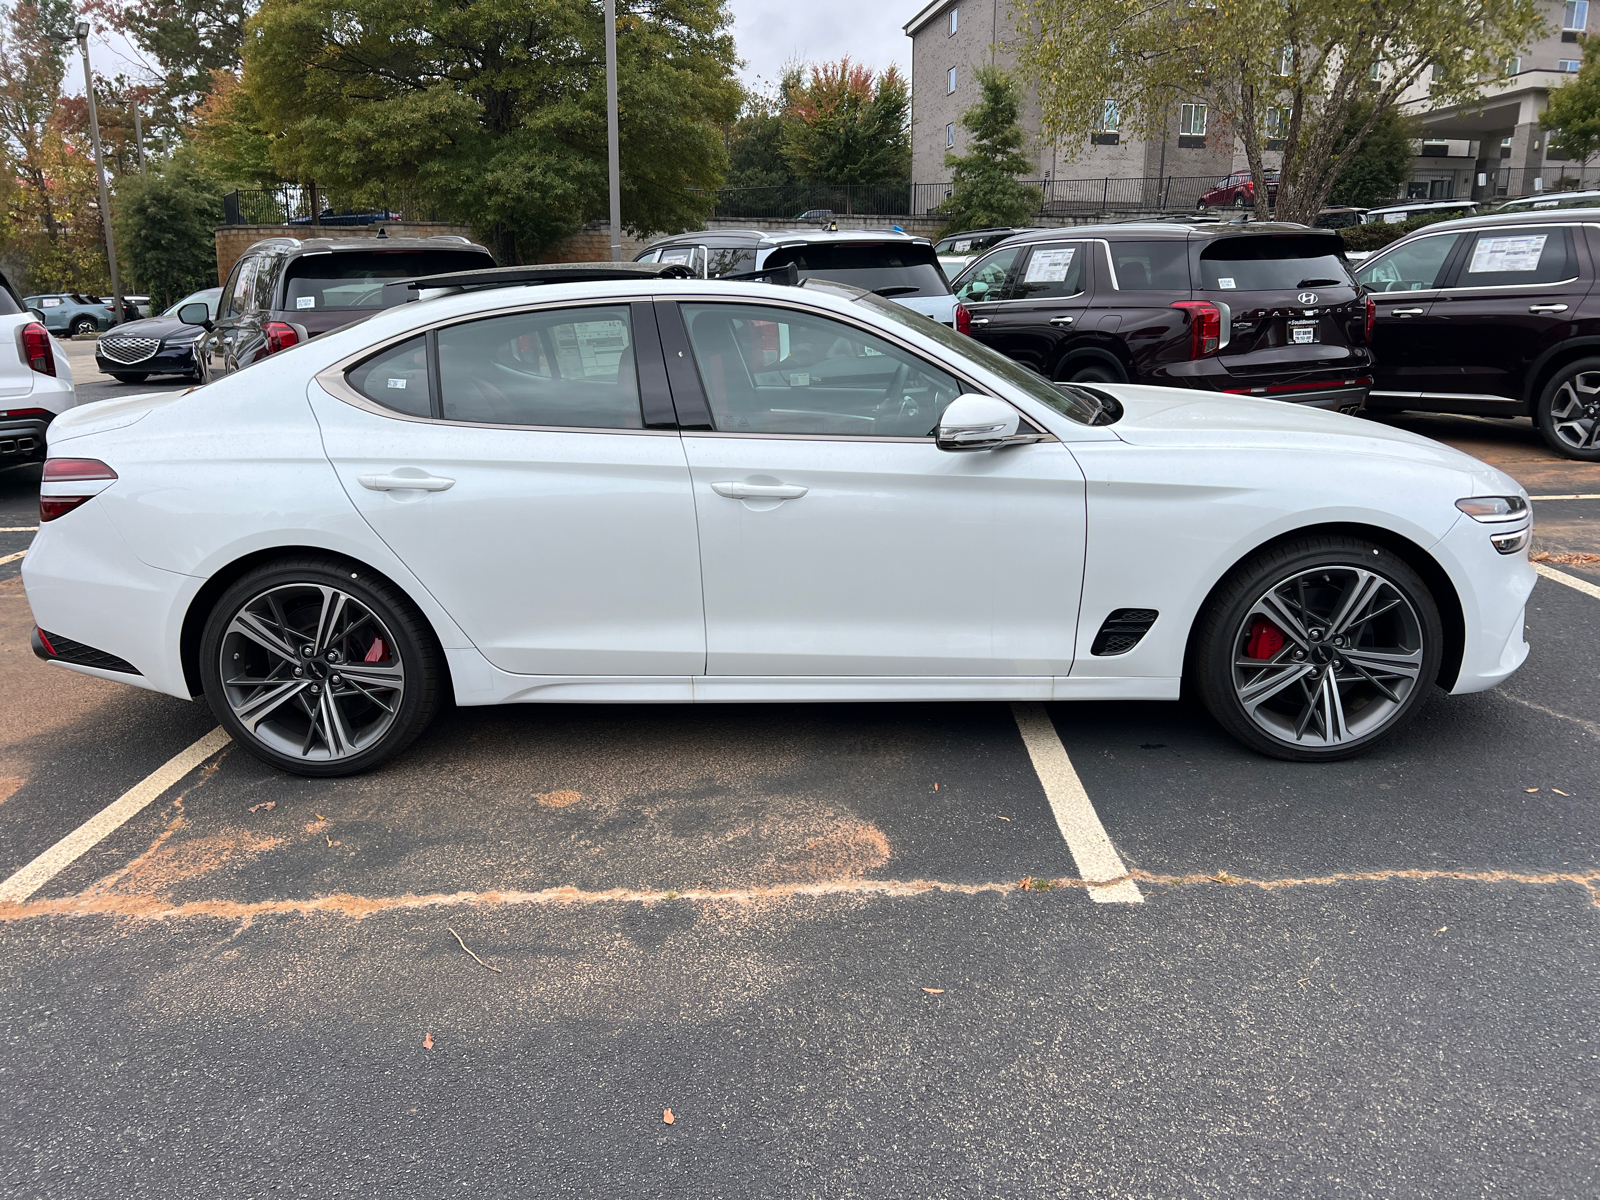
[(1205, 326), (1372, 318), (68, 471), (280, 336), (34, 340), (963, 319)]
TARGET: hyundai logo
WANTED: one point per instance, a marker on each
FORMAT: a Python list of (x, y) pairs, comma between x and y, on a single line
[(1307, 297)]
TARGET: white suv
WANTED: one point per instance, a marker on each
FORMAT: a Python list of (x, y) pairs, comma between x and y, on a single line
[(35, 381)]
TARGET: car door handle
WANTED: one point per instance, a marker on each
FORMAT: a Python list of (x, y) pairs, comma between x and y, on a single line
[(759, 491), (978, 321), (395, 483), (1061, 320), (1407, 312), (1547, 308)]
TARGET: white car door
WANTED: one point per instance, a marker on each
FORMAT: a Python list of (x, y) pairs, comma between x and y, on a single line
[(836, 539), (510, 463)]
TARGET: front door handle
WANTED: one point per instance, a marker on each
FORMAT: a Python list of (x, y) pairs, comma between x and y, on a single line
[(395, 483), (1547, 308), (759, 491), (1061, 320), (979, 321), (1406, 312)]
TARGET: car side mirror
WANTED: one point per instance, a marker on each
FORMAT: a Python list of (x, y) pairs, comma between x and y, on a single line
[(974, 422), (196, 314), (38, 314), (977, 289)]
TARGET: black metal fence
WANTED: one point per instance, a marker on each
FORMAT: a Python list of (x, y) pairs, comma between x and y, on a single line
[(308, 204)]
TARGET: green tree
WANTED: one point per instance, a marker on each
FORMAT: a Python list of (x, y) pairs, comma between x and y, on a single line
[(164, 224), (848, 127), (1379, 164), (187, 40), (493, 111), (1573, 115), (756, 145), (986, 192), (1293, 70)]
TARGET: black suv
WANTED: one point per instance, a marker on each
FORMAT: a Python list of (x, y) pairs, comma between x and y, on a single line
[(287, 290), (1261, 309), (1494, 316)]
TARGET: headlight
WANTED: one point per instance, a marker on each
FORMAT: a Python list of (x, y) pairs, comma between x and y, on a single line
[(1494, 509), (1510, 543)]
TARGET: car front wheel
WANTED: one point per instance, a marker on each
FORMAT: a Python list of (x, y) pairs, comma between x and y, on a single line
[(1318, 649), (83, 325), (319, 667), (1568, 413)]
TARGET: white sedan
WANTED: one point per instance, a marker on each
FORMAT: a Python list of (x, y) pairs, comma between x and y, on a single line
[(639, 489)]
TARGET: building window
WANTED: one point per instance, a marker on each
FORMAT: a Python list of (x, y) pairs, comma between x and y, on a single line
[(1286, 62), (1569, 65), (1511, 66), (1110, 117), (1575, 16), (949, 137), (1192, 120), (1277, 122), (955, 20), (1376, 71), (950, 82)]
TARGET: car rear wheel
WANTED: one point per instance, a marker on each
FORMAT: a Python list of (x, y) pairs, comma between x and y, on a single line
[(126, 377), (319, 667), (1092, 371), (1201, 206), (1239, 200), (1568, 414), (82, 325), (1318, 649)]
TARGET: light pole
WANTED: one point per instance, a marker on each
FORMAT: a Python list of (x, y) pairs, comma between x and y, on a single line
[(613, 167), (82, 38)]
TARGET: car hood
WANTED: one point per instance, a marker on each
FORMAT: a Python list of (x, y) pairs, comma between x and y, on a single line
[(156, 327), (1155, 416), (103, 415)]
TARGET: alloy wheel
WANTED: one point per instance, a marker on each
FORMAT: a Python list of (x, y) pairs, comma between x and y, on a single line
[(1575, 411), (311, 672), (1327, 656)]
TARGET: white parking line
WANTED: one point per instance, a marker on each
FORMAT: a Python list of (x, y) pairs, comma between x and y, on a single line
[(21, 529), (1573, 496), (86, 836), (1097, 859), (12, 557), (1572, 581)]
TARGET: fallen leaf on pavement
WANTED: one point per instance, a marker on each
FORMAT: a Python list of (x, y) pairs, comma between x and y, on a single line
[(934, 991), (1530, 789), (666, 1116), (264, 806), (427, 1041), (1440, 930), (1558, 792), (320, 817)]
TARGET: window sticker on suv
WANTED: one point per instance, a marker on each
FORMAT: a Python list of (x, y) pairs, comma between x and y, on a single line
[(1050, 266), (1507, 254)]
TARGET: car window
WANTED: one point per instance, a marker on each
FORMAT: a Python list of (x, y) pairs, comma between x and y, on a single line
[(353, 280), (568, 367), (1053, 269), (208, 297), (1412, 267), (397, 378), (1151, 266), (1515, 256), (239, 288), (776, 370), (868, 265), (50, 302), (1272, 263), (986, 280)]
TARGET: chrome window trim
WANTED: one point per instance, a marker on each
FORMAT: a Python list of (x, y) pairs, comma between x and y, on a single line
[(1030, 247), (1475, 396)]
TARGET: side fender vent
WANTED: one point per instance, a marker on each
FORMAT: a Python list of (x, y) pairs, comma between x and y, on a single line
[(1122, 630)]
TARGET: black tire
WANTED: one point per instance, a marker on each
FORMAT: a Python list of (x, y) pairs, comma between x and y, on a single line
[(1239, 200), (125, 377), (277, 699), (1201, 206), (1377, 689), (1568, 412), (82, 325), (1093, 370)]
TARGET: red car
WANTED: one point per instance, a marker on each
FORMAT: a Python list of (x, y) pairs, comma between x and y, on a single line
[(1237, 190)]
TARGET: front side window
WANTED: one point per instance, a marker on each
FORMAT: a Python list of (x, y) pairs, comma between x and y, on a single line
[(1413, 267), (243, 283), (1516, 256), (1575, 16), (1192, 120), (1150, 266), (986, 281), (1051, 271), (783, 371)]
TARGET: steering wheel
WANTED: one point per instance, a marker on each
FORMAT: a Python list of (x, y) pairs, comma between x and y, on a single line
[(895, 403)]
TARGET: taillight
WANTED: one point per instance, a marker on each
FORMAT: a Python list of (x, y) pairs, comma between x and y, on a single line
[(963, 319), (8, 414), (68, 471), (34, 339), (1372, 318), (280, 336), (1205, 326)]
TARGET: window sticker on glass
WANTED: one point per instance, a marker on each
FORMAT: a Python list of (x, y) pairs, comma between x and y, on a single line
[(305, 301), (681, 254), (397, 383), (1050, 266), (1225, 282), (587, 348), (961, 248), (52, 301), (800, 379), (1507, 254)]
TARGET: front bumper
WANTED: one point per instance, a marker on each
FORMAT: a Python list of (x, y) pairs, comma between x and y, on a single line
[(22, 441), (169, 360), (1493, 589)]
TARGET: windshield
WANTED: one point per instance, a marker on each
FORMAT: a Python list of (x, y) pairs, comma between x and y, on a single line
[(1080, 406), (1273, 263), (354, 279), (868, 265)]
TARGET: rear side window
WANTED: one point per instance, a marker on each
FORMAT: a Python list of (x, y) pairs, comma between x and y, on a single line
[(871, 266), (1151, 266), (1515, 256), (1269, 263), (1413, 267), (397, 378), (1051, 270), (353, 280)]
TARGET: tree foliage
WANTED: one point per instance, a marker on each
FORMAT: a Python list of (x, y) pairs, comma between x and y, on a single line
[(756, 146), (494, 110), (1290, 69), (187, 40), (1374, 170), (164, 223), (1573, 114), (986, 192), (847, 126)]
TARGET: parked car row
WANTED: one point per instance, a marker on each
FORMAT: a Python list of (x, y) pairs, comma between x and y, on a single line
[(71, 313)]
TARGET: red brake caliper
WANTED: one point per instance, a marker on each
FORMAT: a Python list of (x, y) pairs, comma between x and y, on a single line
[(379, 651), (1266, 639)]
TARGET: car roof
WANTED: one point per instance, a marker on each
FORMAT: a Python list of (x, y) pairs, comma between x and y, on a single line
[(291, 245), (1551, 199), (1537, 216), (789, 237), (1420, 204), (1168, 231)]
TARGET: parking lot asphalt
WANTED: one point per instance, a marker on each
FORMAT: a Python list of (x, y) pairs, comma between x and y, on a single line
[(494, 966)]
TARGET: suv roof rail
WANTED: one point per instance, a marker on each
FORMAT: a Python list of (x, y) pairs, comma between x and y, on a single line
[(450, 237), (272, 241), (493, 277)]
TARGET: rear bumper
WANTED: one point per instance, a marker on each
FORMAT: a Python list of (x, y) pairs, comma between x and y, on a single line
[(22, 441)]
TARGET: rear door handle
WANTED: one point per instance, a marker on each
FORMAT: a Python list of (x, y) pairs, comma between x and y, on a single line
[(759, 491), (1406, 312), (1061, 320), (1547, 308), (979, 321), (395, 483)]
